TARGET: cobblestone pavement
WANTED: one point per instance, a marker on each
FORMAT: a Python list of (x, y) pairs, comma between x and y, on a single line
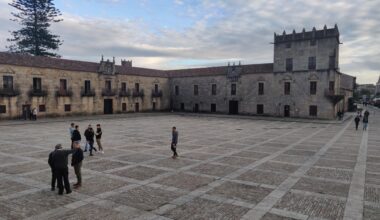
[(228, 168)]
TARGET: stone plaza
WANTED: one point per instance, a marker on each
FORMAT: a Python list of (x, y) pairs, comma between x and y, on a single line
[(228, 168)]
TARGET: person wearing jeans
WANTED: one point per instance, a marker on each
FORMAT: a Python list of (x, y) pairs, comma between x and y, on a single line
[(76, 162)]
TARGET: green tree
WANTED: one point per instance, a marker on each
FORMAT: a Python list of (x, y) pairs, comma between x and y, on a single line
[(34, 37)]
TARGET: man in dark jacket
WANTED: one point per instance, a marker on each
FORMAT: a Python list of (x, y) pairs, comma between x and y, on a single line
[(98, 136), (174, 142), (357, 120), (76, 137), (51, 164), (60, 161), (89, 134), (76, 162)]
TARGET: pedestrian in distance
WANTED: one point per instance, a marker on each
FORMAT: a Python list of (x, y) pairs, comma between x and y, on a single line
[(357, 120), (60, 162), (365, 123), (53, 172), (76, 162), (71, 131), (366, 113), (89, 134), (98, 136), (174, 142), (34, 112)]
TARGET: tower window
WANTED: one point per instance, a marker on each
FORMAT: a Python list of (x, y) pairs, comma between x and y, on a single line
[(261, 88), (196, 90), (312, 63), (233, 89), (213, 89), (287, 88), (313, 88), (289, 64)]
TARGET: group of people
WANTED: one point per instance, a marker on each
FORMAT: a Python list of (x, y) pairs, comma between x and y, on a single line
[(30, 114), (365, 120), (89, 134), (58, 159)]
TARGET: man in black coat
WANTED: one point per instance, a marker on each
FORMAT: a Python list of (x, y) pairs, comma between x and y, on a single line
[(76, 137), (60, 162), (76, 162), (90, 134), (51, 164)]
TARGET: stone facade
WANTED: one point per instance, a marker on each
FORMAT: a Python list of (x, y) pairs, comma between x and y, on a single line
[(303, 81)]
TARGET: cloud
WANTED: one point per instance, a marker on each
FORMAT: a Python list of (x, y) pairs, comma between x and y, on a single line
[(220, 31)]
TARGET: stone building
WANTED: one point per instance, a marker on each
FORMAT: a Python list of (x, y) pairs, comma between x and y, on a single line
[(377, 90), (303, 81)]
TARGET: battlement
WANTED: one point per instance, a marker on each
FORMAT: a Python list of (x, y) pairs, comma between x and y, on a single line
[(308, 35)]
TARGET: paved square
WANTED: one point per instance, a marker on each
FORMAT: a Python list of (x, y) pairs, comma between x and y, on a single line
[(228, 168)]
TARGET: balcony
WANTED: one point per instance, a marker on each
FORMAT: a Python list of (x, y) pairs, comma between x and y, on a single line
[(334, 96), (139, 93), (109, 92), (9, 92), (124, 93), (87, 93), (156, 93), (64, 93), (37, 92)]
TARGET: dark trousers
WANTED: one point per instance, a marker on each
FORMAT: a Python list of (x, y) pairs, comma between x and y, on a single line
[(356, 125), (78, 173), (174, 149), (91, 143), (53, 178), (63, 179)]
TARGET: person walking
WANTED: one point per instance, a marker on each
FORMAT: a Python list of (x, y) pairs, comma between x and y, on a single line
[(365, 122), (174, 142), (60, 161), (89, 134), (76, 162), (98, 136), (366, 113), (357, 120), (71, 131), (53, 172)]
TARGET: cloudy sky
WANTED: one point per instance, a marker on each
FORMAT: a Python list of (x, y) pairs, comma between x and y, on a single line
[(169, 34)]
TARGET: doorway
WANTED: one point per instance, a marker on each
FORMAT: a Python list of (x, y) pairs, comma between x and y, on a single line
[(154, 106), (196, 108), (286, 111), (108, 107), (234, 108), (26, 112), (137, 107)]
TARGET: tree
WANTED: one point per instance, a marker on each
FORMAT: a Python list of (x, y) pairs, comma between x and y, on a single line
[(34, 37)]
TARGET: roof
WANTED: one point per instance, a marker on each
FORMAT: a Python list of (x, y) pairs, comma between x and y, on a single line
[(84, 66), (221, 70)]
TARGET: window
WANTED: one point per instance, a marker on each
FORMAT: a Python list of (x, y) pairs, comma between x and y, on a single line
[(8, 82), (67, 108), (123, 87), (3, 109), (233, 89), (313, 110), (332, 62), (213, 107), (312, 63), (213, 89), (62, 85), (156, 88), (260, 109), (42, 108), (288, 45), (261, 88), (37, 84), (313, 88), (87, 86), (331, 86), (176, 90), (124, 107), (195, 89), (108, 85), (137, 87), (287, 88), (313, 42), (289, 64)]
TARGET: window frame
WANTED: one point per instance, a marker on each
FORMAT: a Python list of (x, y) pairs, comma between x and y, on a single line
[(287, 88), (312, 63), (260, 89), (7, 82), (313, 87), (233, 89), (289, 64)]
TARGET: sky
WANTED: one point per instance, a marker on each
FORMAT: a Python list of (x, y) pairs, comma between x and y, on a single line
[(172, 34)]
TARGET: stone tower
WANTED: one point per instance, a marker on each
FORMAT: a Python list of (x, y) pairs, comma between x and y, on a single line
[(307, 50)]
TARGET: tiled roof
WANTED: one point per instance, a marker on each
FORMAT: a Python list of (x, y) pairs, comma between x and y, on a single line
[(74, 65), (221, 70)]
